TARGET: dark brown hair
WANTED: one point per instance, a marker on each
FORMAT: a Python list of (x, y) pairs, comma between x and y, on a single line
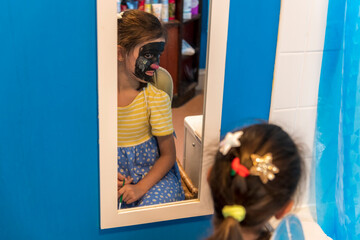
[(136, 27), (260, 200)]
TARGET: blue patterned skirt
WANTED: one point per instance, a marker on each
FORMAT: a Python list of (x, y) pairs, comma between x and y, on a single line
[(136, 162)]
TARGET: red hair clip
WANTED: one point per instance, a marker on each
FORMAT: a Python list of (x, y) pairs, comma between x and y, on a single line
[(238, 168)]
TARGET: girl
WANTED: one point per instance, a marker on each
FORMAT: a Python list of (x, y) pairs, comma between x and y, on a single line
[(147, 170), (254, 177)]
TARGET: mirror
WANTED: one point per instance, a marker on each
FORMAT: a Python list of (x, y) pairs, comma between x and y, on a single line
[(156, 149), (107, 85)]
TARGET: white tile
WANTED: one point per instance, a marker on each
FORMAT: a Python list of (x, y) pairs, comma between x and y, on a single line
[(284, 118), (317, 25), (305, 129), (304, 213), (307, 188), (309, 86), (293, 25), (288, 70), (310, 163)]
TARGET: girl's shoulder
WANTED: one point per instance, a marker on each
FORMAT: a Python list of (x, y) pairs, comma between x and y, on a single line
[(154, 92)]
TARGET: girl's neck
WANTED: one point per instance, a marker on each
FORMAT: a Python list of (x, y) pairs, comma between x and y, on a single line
[(253, 233), (249, 235)]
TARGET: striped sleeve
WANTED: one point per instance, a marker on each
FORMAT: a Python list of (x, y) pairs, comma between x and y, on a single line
[(160, 113)]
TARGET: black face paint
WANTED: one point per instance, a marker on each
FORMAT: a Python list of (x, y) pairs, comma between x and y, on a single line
[(148, 55)]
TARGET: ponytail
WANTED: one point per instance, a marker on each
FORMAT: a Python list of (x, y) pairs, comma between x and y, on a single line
[(228, 229)]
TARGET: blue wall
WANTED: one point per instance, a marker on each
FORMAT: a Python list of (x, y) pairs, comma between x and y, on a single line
[(252, 38), (49, 180)]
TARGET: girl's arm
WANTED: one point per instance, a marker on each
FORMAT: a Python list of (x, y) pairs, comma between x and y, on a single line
[(162, 166)]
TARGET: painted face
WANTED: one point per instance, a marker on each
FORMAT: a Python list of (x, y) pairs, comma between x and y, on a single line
[(148, 60)]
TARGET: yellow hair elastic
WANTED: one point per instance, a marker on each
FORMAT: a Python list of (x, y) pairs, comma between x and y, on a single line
[(237, 212)]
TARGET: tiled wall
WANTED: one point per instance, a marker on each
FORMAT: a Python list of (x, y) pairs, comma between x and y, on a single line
[(297, 73)]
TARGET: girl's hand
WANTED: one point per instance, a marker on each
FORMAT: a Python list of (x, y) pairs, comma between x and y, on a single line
[(131, 193), (121, 178)]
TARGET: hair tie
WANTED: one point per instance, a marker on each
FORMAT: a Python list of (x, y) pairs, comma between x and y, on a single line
[(237, 212), (238, 168)]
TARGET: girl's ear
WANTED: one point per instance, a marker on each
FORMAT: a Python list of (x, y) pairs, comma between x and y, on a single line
[(284, 210), (121, 53)]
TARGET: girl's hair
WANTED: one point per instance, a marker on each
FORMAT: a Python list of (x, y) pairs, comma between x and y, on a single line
[(136, 27), (261, 201)]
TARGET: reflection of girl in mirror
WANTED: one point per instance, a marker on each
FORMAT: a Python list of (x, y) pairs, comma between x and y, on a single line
[(146, 149), (255, 175)]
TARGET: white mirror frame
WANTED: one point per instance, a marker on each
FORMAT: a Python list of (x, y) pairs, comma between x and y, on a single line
[(107, 90)]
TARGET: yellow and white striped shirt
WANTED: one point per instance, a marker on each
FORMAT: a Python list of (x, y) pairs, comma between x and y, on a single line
[(149, 114)]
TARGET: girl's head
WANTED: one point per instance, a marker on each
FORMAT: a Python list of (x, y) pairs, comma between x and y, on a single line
[(141, 40), (261, 194)]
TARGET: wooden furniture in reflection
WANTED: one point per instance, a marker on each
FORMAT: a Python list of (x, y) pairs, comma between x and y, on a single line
[(191, 192), (184, 69)]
